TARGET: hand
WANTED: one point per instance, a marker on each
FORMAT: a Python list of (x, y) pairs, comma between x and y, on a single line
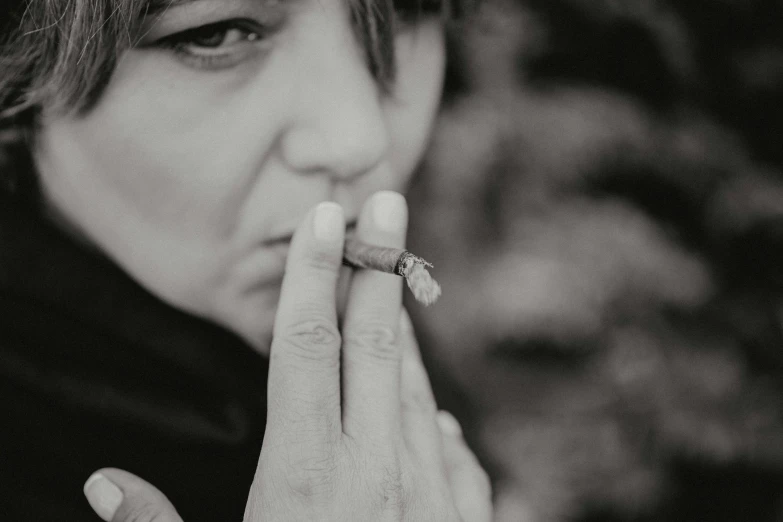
[(353, 432)]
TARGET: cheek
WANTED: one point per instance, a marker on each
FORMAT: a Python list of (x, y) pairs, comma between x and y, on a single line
[(164, 145), (411, 113)]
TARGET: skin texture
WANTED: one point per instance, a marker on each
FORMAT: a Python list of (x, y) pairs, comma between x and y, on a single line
[(353, 432), (198, 175), (187, 175)]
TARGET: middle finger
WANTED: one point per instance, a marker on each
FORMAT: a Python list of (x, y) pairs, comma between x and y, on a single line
[(371, 353)]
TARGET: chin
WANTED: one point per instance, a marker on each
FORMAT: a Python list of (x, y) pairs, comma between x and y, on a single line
[(250, 316)]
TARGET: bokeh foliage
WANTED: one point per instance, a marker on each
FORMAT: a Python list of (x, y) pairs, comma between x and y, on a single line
[(603, 203)]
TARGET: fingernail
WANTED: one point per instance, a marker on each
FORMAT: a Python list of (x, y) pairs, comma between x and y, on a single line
[(328, 222), (103, 496), (389, 211), (448, 424)]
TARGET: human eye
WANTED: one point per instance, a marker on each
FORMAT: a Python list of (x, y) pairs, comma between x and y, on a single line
[(217, 45)]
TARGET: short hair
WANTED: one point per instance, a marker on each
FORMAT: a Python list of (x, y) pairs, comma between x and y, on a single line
[(61, 53)]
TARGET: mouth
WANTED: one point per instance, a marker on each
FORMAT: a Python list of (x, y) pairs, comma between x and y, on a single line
[(350, 228), (266, 267)]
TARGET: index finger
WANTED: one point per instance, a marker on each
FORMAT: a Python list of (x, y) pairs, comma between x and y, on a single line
[(371, 352), (304, 362)]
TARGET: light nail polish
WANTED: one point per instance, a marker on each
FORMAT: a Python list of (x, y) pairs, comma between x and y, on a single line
[(389, 211), (328, 221)]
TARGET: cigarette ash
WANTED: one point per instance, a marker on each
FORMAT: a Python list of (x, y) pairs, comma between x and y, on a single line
[(425, 289)]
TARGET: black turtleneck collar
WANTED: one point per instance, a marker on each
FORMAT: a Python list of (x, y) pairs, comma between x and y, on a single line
[(118, 373)]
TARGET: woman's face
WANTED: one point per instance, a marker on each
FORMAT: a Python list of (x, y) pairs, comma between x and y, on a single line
[(209, 145)]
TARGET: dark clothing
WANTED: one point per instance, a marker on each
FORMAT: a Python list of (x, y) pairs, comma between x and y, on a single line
[(96, 372)]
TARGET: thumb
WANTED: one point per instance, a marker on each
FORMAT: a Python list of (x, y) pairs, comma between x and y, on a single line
[(118, 496)]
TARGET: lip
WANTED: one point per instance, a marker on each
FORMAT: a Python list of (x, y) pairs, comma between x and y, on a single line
[(350, 226)]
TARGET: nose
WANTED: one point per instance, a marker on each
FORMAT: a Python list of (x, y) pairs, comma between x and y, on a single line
[(338, 125)]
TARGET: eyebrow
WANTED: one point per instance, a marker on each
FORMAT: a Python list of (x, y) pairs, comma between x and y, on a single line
[(156, 6)]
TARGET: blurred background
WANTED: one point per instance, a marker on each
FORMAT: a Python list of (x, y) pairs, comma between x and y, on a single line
[(603, 203)]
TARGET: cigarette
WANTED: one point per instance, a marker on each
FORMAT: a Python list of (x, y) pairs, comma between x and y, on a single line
[(358, 254)]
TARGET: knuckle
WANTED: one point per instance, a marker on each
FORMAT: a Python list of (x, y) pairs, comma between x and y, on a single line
[(386, 487), (312, 339), (375, 340), (390, 489), (312, 478)]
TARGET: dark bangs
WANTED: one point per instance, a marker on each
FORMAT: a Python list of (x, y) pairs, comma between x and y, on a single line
[(376, 21), (60, 53)]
